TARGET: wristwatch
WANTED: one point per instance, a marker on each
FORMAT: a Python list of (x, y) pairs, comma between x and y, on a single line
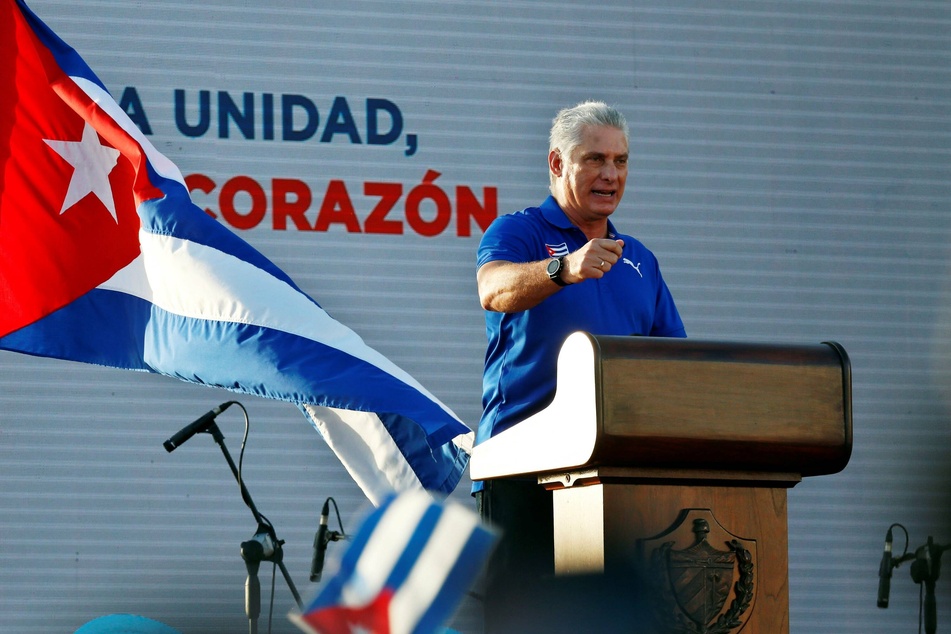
[(555, 267)]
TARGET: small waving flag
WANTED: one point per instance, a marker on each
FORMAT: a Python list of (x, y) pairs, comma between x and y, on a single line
[(105, 259), (407, 569)]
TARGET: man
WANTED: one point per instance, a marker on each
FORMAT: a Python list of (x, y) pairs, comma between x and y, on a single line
[(545, 272)]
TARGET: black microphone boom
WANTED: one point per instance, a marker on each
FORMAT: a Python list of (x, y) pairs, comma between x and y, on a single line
[(885, 572), (199, 426)]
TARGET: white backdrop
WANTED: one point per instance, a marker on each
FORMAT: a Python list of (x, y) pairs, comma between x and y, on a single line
[(790, 168)]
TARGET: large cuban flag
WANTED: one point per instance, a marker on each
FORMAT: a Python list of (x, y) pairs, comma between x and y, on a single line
[(407, 569), (104, 259)]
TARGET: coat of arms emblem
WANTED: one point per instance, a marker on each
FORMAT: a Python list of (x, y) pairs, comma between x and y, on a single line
[(702, 588)]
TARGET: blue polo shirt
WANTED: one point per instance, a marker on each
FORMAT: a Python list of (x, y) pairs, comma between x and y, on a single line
[(520, 362)]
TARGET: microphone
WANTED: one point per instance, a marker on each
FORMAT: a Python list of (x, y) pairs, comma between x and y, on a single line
[(321, 539), (200, 425), (885, 572)]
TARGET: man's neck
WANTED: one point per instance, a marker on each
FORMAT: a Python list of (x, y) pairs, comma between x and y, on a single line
[(592, 229)]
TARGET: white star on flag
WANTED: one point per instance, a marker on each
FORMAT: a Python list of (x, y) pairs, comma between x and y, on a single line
[(92, 163)]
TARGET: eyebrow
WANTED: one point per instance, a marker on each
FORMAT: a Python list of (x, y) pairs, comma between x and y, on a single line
[(601, 155)]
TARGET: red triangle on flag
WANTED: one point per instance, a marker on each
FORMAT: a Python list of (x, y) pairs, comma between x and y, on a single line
[(51, 254), (339, 619)]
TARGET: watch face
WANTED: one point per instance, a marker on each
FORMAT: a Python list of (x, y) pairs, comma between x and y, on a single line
[(554, 266)]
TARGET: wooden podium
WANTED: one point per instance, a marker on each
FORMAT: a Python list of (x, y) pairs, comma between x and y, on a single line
[(672, 457)]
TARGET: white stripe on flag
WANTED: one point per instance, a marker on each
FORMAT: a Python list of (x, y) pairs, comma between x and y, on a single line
[(366, 449), (192, 280), (441, 553)]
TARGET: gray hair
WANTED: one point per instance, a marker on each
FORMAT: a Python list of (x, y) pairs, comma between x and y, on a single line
[(569, 123)]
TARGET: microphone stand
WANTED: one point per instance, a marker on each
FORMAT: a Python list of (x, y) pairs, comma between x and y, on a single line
[(925, 570), (264, 546)]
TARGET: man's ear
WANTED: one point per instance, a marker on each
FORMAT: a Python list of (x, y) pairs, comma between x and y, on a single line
[(555, 163)]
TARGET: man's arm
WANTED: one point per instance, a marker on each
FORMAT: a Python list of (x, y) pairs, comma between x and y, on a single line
[(511, 287)]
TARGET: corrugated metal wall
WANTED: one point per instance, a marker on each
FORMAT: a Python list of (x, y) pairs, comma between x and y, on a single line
[(791, 169)]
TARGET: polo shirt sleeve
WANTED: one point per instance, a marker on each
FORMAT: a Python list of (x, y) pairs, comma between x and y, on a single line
[(508, 238)]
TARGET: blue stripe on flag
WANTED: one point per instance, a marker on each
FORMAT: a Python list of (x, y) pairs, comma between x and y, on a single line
[(67, 58), (119, 330), (441, 468), (104, 328), (460, 578), (421, 535)]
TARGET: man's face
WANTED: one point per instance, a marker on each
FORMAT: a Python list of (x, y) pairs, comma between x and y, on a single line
[(591, 180)]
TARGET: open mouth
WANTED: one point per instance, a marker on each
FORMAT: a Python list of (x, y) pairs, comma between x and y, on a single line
[(603, 193)]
